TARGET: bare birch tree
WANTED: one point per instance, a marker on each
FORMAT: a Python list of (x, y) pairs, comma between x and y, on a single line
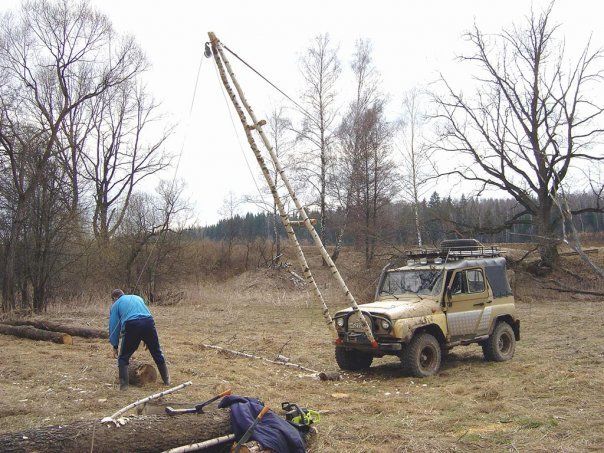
[(532, 119), (320, 69), (351, 133), (416, 153), (365, 169), (278, 127)]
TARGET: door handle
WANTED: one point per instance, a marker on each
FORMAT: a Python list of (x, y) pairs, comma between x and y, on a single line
[(481, 304), (489, 301)]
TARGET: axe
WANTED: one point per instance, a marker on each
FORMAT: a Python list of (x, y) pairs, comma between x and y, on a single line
[(198, 409)]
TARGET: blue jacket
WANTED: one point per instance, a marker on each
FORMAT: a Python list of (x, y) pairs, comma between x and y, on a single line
[(124, 309), (272, 433)]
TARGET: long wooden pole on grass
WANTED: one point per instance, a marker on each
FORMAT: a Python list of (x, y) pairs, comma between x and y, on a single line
[(257, 125), (282, 213)]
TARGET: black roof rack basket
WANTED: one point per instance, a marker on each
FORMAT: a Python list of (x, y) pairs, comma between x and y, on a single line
[(454, 249)]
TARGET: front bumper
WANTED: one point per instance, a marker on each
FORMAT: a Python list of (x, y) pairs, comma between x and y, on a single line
[(358, 340)]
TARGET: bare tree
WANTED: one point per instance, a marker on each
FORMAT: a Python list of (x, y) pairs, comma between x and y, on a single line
[(119, 156), (365, 169), (144, 236), (320, 69), (278, 127), (54, 56), (228, 210), (416, 152), (173, 211), (530, 122), (347, 168)]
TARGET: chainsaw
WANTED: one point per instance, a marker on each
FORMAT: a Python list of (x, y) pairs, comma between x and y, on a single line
[(300, 417)]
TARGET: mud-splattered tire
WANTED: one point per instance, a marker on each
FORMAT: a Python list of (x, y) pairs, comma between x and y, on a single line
[(351, 360), (500, 346), (423, 355)]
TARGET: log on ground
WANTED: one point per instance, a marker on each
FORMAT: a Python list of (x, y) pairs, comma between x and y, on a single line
[(140, 374), (150, 433), (74, 331), (36, 334)]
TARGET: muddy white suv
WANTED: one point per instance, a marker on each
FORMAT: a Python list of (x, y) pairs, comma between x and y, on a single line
[(456, 295)]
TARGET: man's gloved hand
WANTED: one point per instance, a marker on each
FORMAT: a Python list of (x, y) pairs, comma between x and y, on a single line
[(115, 353)]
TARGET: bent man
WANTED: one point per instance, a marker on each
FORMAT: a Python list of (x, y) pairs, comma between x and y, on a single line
[(130, 316)]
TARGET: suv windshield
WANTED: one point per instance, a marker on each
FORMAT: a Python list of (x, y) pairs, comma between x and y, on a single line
[(427, 281)]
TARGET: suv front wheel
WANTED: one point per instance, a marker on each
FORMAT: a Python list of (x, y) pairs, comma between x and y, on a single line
[(352, 360), (423, 355), (500, 346)]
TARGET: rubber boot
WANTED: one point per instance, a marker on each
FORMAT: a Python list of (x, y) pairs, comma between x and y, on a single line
[(123, 372), (163, 371)]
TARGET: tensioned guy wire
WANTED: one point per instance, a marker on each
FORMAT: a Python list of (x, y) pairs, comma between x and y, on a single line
[(302, 109)]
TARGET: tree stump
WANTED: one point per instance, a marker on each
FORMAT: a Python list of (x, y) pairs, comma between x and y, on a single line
[(140, 374), (36, 334)]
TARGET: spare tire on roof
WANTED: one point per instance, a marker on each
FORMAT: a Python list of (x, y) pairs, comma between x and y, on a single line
[(459, 244)]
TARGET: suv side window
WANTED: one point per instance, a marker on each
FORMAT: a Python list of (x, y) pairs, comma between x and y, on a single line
[(475, 281), (459, 283)]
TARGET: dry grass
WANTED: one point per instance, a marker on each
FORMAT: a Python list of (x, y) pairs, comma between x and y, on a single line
[(548, 398)]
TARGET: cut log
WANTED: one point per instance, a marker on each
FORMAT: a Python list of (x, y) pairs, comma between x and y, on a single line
[(151, 433), (140, 374), (74, 331), (330, 376), (36, 334)]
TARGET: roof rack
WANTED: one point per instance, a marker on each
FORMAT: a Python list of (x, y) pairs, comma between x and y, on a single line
[(455, 249)]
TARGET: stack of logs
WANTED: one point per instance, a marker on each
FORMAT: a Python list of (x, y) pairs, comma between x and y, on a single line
[(139, 374), (48, 331)]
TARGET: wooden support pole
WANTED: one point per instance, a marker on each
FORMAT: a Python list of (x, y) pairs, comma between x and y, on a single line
[(32, 333), (216, 46), (301, 223), (282, 213)]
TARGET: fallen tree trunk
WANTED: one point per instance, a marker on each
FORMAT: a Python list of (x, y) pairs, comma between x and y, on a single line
[(36, 334), (140, 374), (75, 331), (151, 433)]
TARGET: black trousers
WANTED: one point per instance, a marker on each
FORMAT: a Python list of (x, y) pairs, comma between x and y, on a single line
[(135, 331)]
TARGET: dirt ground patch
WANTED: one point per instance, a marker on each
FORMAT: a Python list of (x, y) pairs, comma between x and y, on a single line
[(548, 398)]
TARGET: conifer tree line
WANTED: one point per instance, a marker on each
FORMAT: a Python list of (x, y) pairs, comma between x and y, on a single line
[(441, 218), (500, 159)]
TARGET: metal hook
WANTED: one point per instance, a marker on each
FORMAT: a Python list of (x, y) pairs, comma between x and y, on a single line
[(208, 50)]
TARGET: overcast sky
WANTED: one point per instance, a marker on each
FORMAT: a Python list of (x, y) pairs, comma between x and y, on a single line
[(412, 41)]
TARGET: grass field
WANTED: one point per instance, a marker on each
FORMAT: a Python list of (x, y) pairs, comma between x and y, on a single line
[(548, 398)]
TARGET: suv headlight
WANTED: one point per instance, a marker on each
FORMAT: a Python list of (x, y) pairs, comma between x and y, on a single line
[(340, 322), (385, 324)]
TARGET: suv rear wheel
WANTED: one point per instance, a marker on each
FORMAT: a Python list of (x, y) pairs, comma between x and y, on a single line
[(352, 360), (423, 355), (500, 346)]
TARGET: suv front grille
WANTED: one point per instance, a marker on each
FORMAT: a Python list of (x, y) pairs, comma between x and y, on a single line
[(356, 325)]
